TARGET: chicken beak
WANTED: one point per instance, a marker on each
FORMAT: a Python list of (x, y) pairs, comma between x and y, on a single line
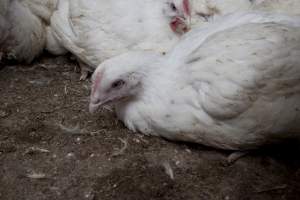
[(188, 22), (187, 19), (94, 105), (180, 25), (93, 108), (187, 16)]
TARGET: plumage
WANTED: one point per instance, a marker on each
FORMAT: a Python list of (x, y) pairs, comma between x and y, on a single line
[(232, 84), (22, 27), (290, 7), (96, 30), (208, 10)]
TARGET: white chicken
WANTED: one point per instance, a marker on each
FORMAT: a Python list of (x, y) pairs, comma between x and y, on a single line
[(94, 30), (23, 27), (290, 7), (232, 84), (204, 11)]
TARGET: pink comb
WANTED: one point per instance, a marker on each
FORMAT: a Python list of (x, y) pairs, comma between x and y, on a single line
[(186, 7), (96, 82)]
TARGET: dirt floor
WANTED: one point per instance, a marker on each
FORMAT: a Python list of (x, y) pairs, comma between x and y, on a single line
[(52, 148)]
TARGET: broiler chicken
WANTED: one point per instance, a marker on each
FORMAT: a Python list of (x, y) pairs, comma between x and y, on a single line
[(232, 84), (94, 30), (23, 25)]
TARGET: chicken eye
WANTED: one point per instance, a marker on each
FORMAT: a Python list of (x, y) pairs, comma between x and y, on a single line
[(117, 84), (173, 7)]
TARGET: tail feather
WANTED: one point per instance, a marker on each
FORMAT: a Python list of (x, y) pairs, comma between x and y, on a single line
[(63, 31)]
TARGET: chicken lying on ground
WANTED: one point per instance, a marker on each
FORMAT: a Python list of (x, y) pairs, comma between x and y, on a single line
[(232, 84), (23, 28), (94, 30)]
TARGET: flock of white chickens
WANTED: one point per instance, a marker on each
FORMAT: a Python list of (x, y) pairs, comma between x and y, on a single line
[(223, 73)]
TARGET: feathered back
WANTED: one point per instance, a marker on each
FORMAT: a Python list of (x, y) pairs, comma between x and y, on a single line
[(23, 27), (62, 31), (209, 10), (290, 7), (97, 30), (42, 9), (233, 84)]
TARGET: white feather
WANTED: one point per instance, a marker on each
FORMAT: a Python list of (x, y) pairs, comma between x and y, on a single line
[(97, 30), (208, 10), (233, 84), (22, 27)]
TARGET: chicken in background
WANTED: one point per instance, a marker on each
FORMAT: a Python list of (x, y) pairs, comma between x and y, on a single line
[(23, 28), (95, 30)]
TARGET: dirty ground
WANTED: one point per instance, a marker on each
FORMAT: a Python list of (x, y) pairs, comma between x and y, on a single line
[(52, 148)]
